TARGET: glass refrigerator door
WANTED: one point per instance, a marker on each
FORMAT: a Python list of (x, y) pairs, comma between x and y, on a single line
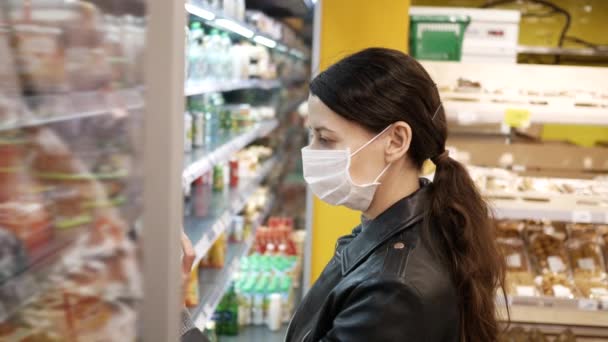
[(71, 116)]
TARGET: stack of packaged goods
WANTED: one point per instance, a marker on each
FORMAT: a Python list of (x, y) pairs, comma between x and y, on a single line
[(262, 294), (555, 260), (213, 57), (209, 121), (263, 291), (239, 231), (68, 261)]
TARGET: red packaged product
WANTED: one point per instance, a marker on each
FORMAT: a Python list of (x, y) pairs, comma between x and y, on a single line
[(234, 173)]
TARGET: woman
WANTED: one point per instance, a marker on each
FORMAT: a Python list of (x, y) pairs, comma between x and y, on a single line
[(423, 264)]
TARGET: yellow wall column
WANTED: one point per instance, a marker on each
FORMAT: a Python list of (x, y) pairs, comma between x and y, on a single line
[(348, 26)]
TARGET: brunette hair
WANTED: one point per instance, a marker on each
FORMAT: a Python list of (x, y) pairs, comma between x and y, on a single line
[(377, 87)]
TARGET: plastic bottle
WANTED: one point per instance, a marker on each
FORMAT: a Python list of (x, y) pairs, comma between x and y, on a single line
[(231, 315), (195, 52), (274, 319), (257, 310), (210, 123), (285, 291), (226, 58), (214, 51)]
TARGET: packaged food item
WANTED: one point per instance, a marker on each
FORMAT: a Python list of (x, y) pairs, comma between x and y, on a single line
[(548, 248), (584, 251), (192, 292), (40, 56), (216, 256), (520, 283), (234, 173), (218, 178), (512, 246), (86, 61), (509, 229), (557, 285)]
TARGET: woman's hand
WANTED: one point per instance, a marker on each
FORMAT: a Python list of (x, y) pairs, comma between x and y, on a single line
[(187, 261)]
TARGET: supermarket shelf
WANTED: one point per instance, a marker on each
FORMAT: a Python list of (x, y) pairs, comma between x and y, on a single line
[(210, 15), (552, 320), (568, 208), (214, 283), (17, 290), (208, 214), (197, 88), (480, 108), (550, 50), (44, 109), (201, 160)]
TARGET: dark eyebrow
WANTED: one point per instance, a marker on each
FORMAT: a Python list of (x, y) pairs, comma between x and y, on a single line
[(322, 128)]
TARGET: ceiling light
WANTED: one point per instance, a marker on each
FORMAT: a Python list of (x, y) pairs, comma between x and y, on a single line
[(265, 41), (282, 48), (199, 12), (234, 27)]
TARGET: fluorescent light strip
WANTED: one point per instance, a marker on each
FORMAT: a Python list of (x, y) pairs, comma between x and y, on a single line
[(199, 12), (265, 41), (234, 27), (282, 48)]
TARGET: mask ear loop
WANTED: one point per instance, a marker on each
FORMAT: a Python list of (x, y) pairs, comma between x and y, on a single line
[(382, 173), (371, 141)]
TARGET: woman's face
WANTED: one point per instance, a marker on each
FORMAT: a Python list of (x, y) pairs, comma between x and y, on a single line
[(330, 131)]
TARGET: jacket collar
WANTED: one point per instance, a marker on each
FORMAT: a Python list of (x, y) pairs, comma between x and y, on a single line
[(399, 217)]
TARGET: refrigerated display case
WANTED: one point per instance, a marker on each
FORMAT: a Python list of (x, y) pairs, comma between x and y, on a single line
[(71, 109), (550, 196), (245, 74)]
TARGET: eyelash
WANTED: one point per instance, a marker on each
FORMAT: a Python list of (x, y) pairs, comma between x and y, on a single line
[(320, 139)]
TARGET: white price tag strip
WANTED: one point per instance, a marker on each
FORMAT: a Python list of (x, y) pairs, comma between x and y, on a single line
[(562, 291), (514, 260), (581, 216), (556, 264), (586, 264), (526, 291), (588, 304)]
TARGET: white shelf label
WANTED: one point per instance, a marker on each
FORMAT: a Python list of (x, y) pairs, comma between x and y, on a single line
[(581, 216), (586, 264), (562, 291), (514, 260), (556, 264), (587, 304), (525, 291)]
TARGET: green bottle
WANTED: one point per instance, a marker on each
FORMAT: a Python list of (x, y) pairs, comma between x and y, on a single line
[(231, 314)]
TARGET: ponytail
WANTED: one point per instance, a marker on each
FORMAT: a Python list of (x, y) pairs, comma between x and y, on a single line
[(463, 229)]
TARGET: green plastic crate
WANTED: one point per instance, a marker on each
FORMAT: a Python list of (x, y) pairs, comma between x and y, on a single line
[(437, 37)]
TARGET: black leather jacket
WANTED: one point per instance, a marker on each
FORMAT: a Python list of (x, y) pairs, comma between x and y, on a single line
[(383, 284)]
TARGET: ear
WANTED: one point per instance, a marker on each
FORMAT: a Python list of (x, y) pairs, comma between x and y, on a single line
[(400, 138)]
